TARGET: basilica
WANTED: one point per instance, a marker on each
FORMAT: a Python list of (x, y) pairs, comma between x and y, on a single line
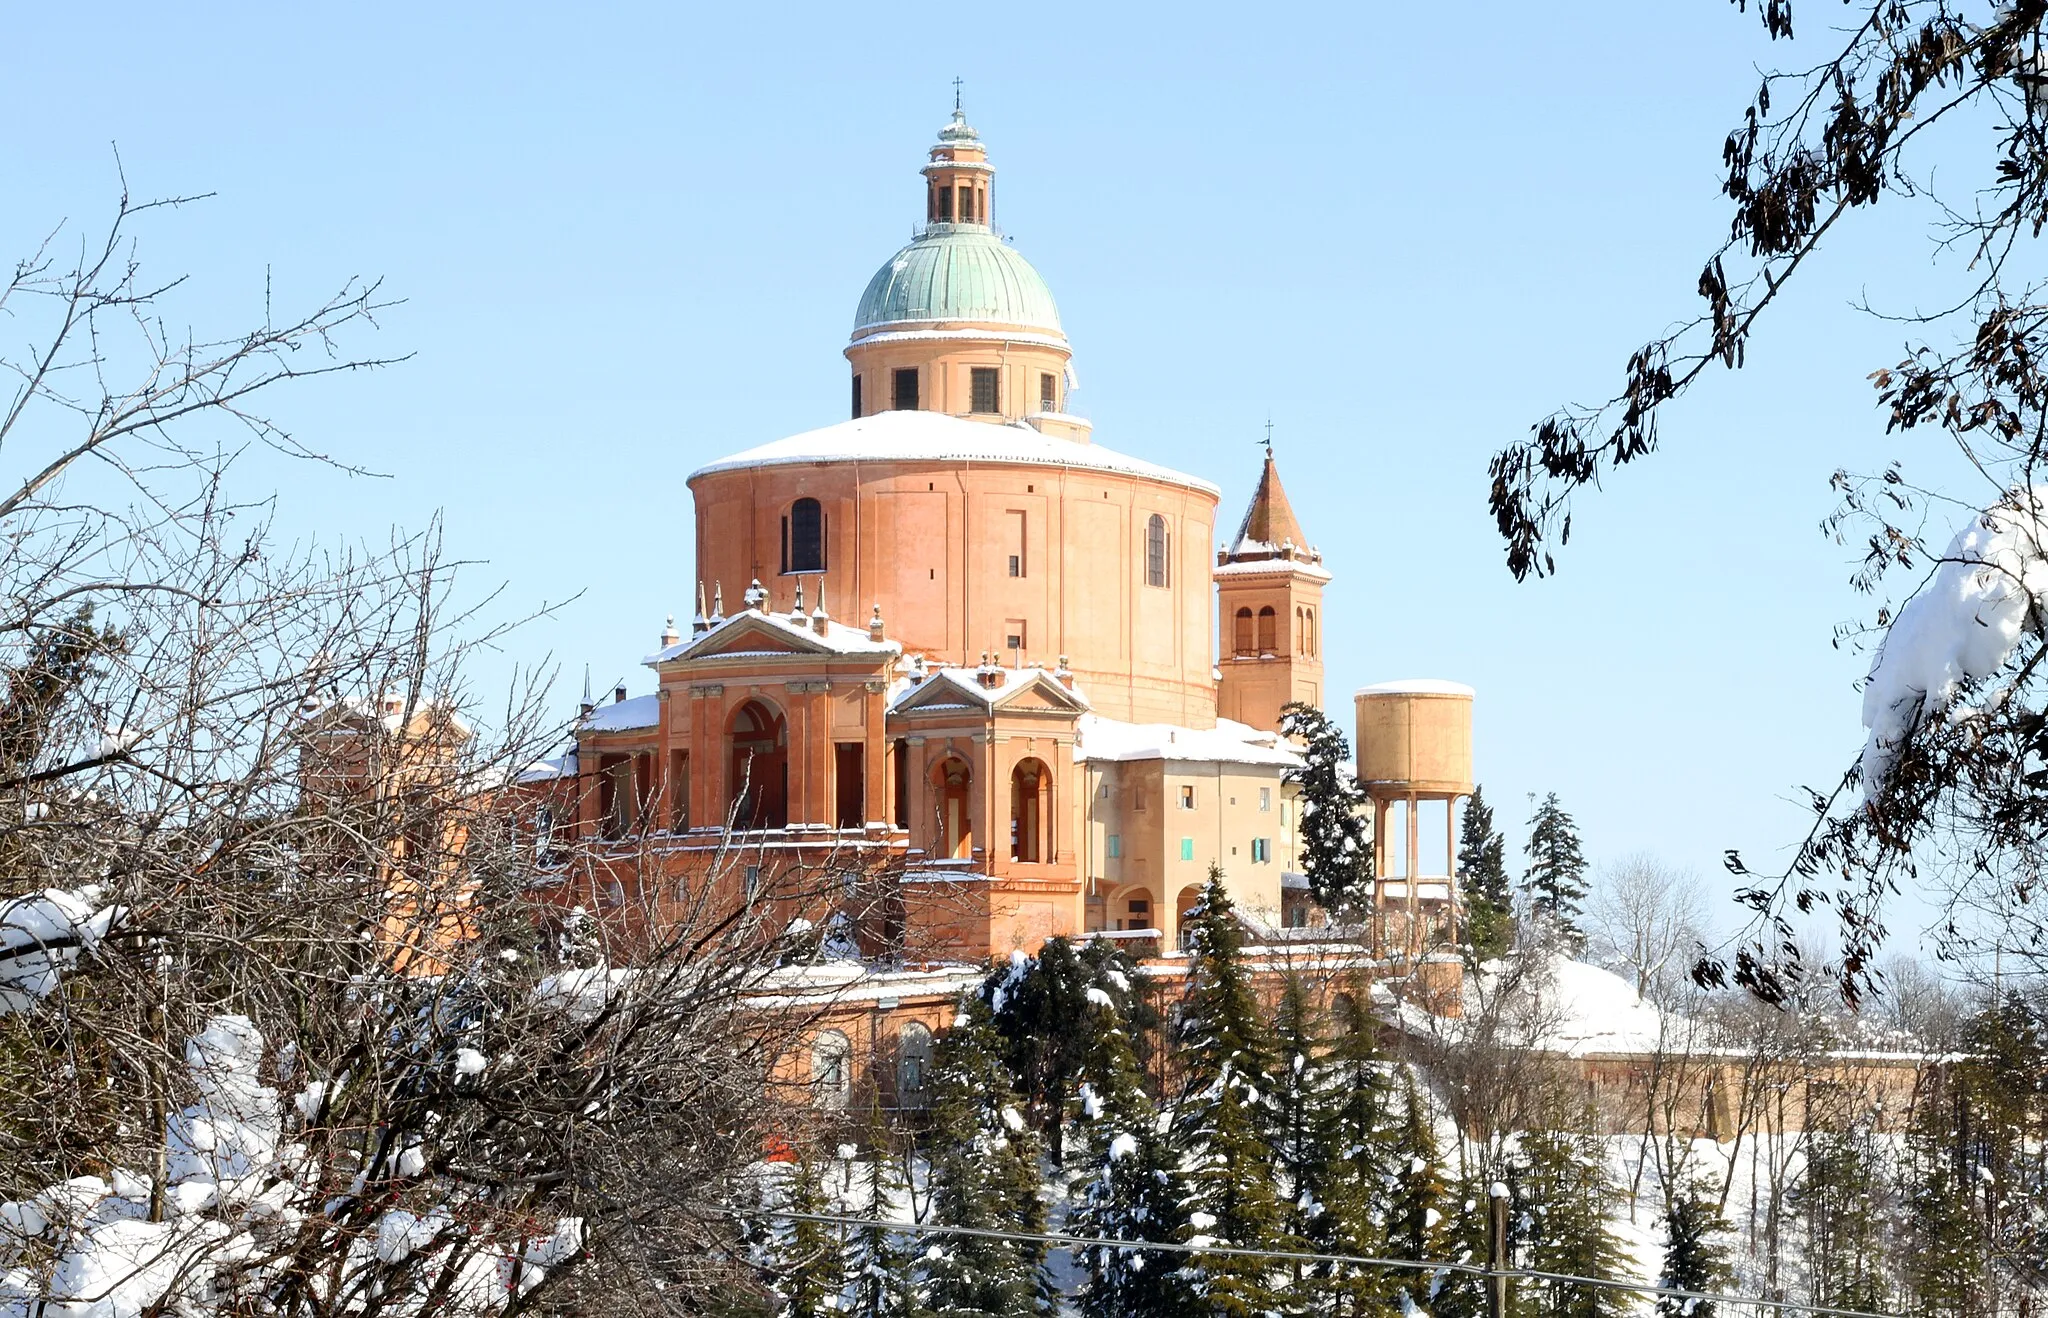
[(953, 640)]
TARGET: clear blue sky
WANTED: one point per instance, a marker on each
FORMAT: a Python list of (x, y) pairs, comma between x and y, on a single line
[(631, 240)]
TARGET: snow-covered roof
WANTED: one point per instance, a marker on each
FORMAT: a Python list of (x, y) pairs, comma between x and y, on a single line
[(541, 771), (1104, 739), (1251, 567), (837, 638), (937, 437), (623, 715), (387, 712), (850, 981), (1417, 686), (963, 686), (1580, 1008)]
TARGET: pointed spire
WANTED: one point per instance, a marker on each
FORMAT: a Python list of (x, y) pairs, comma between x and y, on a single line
[(1269, 522), (700, 623), (588, 703), (717, 603), (821, 621)]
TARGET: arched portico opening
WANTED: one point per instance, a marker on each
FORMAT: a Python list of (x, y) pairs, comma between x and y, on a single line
[(952, 791), (760, 768), (1031, 812), (1190, 897)]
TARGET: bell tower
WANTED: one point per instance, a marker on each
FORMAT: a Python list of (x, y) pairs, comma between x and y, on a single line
[(1269, 595)]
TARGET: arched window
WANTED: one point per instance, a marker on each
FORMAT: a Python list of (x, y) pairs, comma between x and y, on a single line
[(760, 768), (1311, 633), (1268, 624), (1241, 643), (1300, 632), (803, 537), (1030, 813), (913, 1066), (1157, 546), (831, 1069)]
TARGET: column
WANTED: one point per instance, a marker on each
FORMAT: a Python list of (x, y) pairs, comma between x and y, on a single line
[(1414, 864)]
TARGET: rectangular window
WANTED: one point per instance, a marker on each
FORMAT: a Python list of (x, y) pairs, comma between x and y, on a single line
[(966, 204), (1048, 392), (983, 387), (1187, 797), (753, 881), (1265, 798), (905, 379), (1187, 848), (856, 396), (679, 791), (1262, 851), (902, 784), (1116, 846), (1014, 539), (946, 204), (1138, 799), (849, 777), (1013, 634)]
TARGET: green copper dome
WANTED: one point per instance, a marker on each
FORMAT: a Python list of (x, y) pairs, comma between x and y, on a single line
[(957, 272)]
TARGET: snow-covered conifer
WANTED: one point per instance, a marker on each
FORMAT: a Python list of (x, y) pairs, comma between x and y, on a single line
[(1483, 880), (1218, 1121), (806, 1261), (1335, 854), (877, 1259), (1564, 1191), (1695, 1252), (985, 1174), (1556, 877)]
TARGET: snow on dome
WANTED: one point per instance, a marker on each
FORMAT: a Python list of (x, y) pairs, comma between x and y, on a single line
[(1577, 1008), (937, 437), (1961, 627), (1418, 686)]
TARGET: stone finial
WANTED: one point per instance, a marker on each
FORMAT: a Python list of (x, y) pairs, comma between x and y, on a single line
[(699, 624), (756, 597), (717, 603), (796, 612), (669, 634), (821, 621), (876, 632)]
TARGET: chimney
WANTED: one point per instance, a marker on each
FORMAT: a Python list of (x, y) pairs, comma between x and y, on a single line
[(619, 694)]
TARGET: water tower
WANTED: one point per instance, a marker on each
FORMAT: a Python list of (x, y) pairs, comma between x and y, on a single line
[(1414, 747)]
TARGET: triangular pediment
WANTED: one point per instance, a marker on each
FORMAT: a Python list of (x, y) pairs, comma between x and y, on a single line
[(754, 634), (1044, 695)]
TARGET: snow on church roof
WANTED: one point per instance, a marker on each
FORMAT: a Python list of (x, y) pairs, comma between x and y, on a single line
[(1226, 743), (937, 437), (622, 715)]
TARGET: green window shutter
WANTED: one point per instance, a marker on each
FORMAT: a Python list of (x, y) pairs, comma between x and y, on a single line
[(1187, 848)]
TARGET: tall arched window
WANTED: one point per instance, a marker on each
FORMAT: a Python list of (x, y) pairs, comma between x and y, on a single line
[(831, 1069), (951, 784), (760, 768), (913, 1066), (1241, 640), (1157, 545), (803, 537), (1311, 633), (1300, 632), (1268, 626)]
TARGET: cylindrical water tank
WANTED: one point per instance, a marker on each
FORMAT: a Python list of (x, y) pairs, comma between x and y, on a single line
[(1417, 734)]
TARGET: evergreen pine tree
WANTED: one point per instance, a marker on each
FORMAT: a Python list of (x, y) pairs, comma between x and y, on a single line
[(1416, 1228), (1556, 877), (1041, 1009), (1126, 1186), (1695, 1257), (877, 1259), (1565, 1194), (1945, 1254), (1840, 1203), (1218, 1122), (1350, 1172), (1463, 1294), (984, 1173), (806, 1256), (1483, 879), (1334, 851)]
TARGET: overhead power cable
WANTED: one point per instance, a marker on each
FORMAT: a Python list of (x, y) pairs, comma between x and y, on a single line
[(1305, 1256)]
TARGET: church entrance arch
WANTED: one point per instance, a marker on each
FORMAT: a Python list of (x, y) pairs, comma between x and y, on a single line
[(760, 768), (952, 789)]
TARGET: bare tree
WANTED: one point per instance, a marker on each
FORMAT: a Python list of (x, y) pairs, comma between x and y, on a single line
[(300, 1010), (1646, 920)]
